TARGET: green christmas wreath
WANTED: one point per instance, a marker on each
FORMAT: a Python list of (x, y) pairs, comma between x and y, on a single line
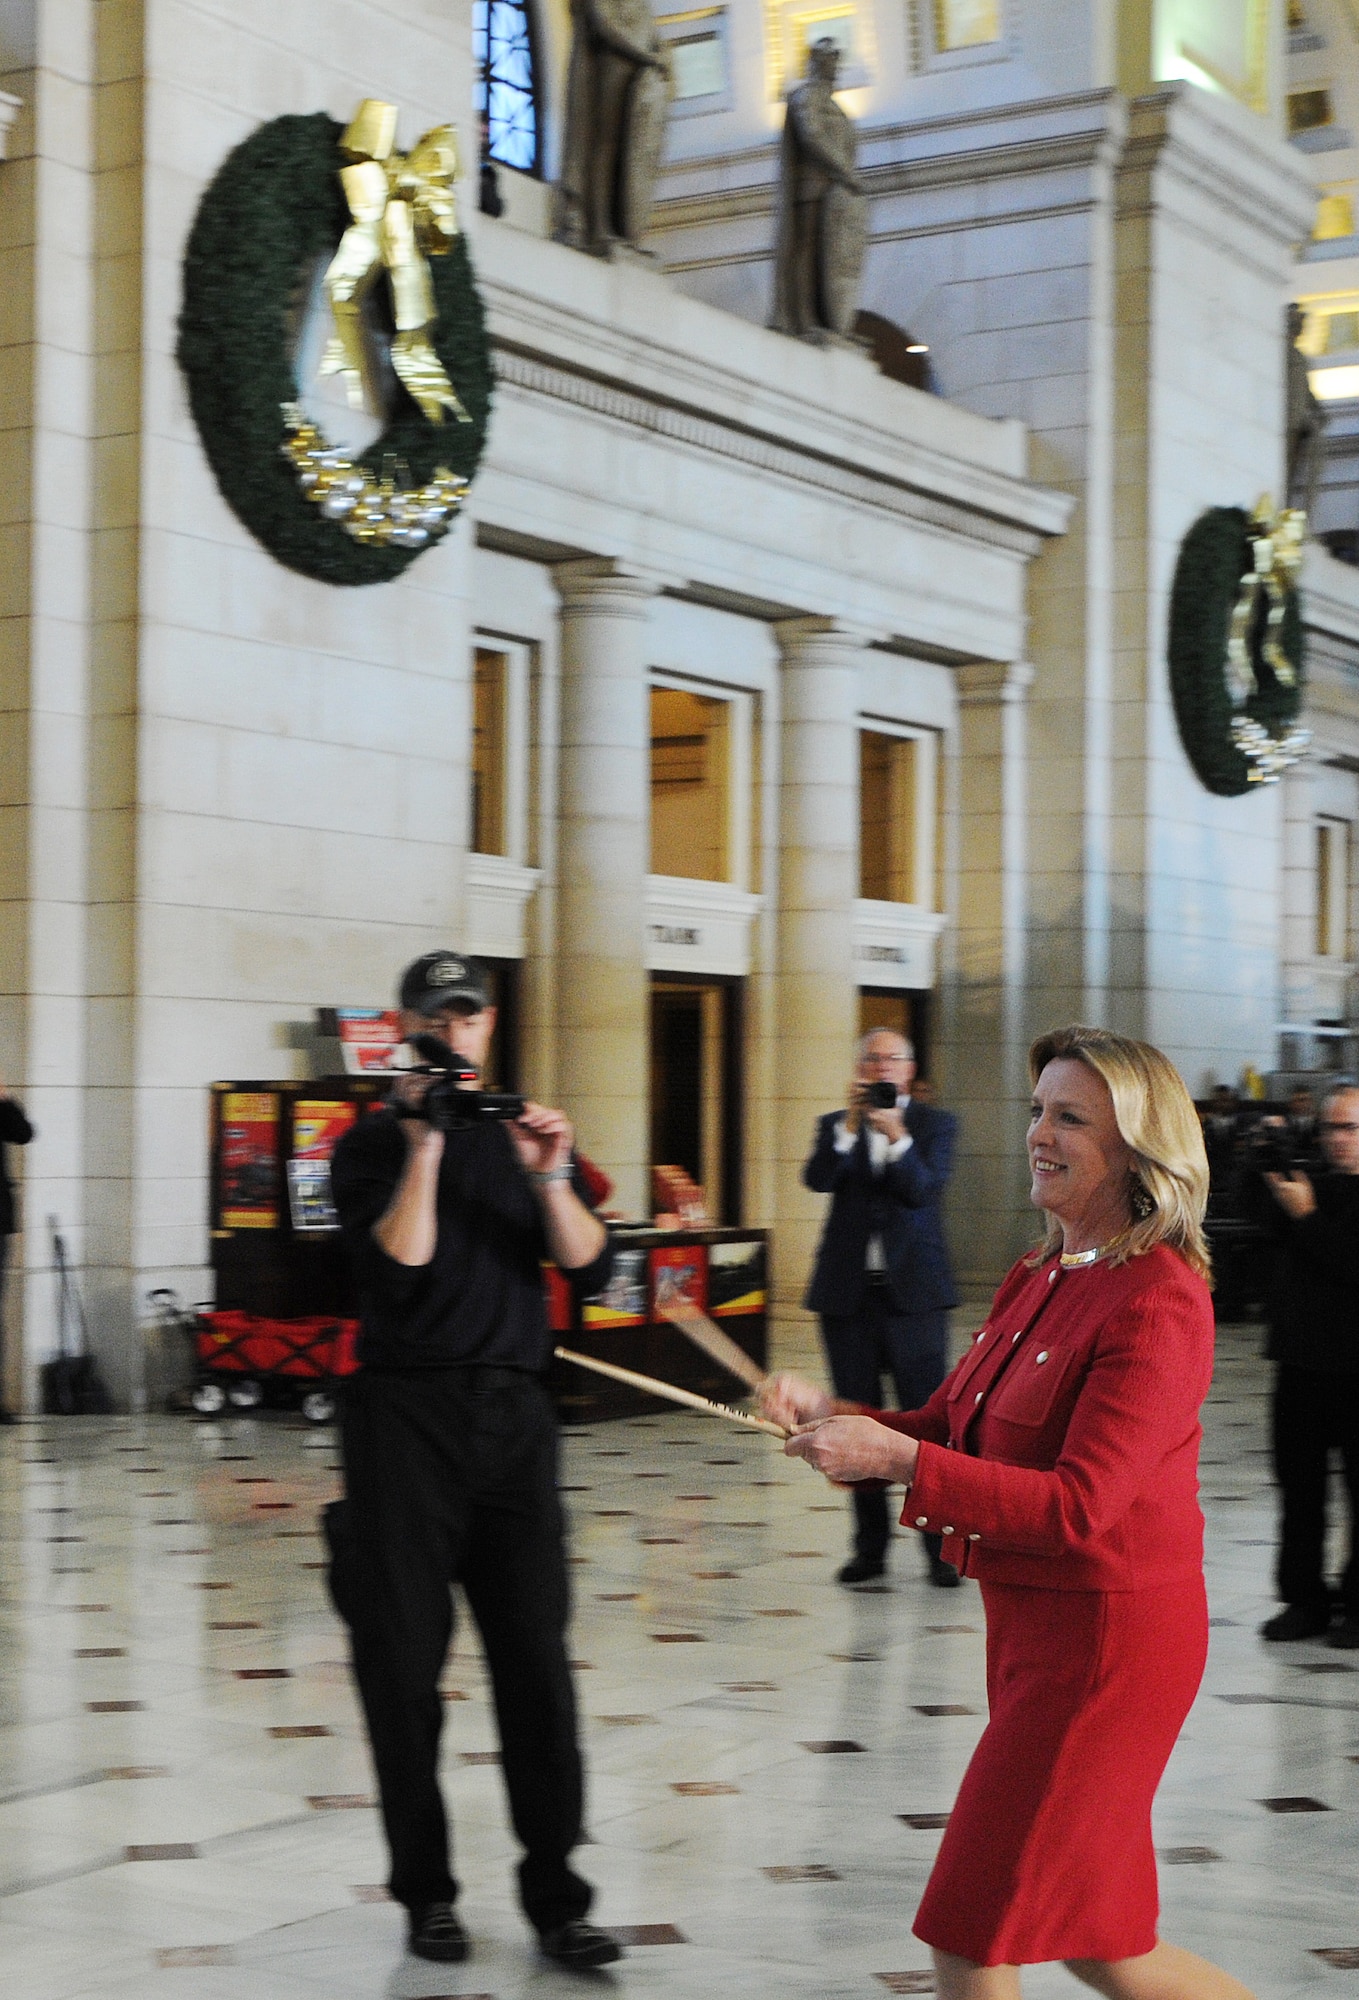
[(1236, 649), (275, 208)]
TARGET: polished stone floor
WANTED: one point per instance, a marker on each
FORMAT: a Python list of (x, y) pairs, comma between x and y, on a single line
[(184, 1789)]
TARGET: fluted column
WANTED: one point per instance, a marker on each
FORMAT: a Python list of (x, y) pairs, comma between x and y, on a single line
[(816, 1009), (603, 856), (985, 1028)]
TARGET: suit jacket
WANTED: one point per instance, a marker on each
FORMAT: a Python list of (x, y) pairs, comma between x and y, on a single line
[(15, 1130), (900, 1205), (1062, 1451)]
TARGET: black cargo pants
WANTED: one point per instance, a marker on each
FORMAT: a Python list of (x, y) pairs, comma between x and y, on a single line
[(451, 1477)]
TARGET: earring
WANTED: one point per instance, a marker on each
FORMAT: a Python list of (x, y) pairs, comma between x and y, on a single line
[(1143, 1201)]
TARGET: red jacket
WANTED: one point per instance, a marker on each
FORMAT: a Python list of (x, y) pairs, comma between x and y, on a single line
[(1062, 1451)]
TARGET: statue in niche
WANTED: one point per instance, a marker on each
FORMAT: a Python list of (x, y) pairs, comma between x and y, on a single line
[(617, 94), (823, 211), (1305, 425)]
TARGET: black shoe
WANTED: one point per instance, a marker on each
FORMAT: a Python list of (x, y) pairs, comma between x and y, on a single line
[(943, 1575), (436, 1933), (861, 1569), (584, 1947), (1345, 1635), (1297, 1621)]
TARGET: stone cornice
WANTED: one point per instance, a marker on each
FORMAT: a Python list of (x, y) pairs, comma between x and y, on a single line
[(620, 343), (1178, 135), (1000, 512), (1083, 131)]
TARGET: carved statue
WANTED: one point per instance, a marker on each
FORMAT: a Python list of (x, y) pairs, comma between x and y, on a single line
[(617, 93), (823, 211), (1305, 426)]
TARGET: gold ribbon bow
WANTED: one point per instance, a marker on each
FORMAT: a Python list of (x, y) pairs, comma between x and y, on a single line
[(404, 212), (1276, 552)]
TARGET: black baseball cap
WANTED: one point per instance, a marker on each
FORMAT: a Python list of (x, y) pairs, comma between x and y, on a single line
[(445, 979)]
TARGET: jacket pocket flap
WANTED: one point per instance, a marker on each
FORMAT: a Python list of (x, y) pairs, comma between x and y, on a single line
[(1029, 1388), (967, 1367)]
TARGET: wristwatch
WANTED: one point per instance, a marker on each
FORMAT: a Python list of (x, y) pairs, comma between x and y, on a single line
[(561, 1173)]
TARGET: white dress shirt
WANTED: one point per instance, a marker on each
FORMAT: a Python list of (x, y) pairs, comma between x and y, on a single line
[(881, 1149)]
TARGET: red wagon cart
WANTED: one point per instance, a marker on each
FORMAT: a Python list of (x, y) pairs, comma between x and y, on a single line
[(246, 1359)]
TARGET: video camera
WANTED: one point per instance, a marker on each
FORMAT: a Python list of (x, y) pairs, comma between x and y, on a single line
[(1272, 1149), (447, 1105), (879, 1096)]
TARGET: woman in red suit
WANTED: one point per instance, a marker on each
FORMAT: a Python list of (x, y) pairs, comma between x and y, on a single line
[(1059, 1461)]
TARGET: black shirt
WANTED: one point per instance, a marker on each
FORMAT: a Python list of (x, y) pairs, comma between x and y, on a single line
[(480, 1300), (1314, 1301)]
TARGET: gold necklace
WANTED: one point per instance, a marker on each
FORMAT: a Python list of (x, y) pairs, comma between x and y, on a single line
[(1074, 1259)]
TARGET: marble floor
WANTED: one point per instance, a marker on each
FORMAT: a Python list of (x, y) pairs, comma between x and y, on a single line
[(184, 1788)]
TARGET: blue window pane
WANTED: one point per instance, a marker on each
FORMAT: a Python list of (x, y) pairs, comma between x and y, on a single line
[(507, 92)]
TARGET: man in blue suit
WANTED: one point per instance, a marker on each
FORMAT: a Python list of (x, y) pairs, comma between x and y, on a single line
[(883, 1284)]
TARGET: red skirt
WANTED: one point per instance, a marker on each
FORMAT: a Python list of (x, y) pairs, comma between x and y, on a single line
[(1048, 1852)]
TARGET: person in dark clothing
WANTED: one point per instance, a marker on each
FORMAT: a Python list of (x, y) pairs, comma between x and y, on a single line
[(1314, 1340), (15, 1130), (450, 1455), (883, 1284)]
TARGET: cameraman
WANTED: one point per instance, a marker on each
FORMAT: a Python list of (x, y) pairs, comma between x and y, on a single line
[(450, 1452), (882, 1283), (1314, 1339)]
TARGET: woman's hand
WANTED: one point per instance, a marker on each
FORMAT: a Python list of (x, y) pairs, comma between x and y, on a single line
[(791, 1400), (848, 1449), (1296, 1197)]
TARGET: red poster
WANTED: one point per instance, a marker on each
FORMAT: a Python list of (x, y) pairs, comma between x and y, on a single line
[(318, 1126), (679, 1275), (248, 1160), (369, 1038)]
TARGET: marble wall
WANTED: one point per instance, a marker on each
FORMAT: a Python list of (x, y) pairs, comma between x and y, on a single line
[(235, 794), (257, 784)]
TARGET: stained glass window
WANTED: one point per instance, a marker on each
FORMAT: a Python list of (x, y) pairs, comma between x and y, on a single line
[(507, 89)]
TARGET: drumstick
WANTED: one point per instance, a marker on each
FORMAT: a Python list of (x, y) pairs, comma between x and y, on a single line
[(668, 1390), (718, 1346)]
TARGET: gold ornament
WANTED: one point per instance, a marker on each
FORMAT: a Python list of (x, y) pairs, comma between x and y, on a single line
[(1276, 556), (369, 509), (404, 212)]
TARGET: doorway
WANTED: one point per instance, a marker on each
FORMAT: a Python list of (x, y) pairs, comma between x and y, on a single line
[(502, 1058), (695, 1085)]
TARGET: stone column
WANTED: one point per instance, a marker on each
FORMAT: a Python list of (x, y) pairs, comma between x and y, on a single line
[(1298, 998), (985, 1029), (815, 1008), (53, 765), (602, 862)]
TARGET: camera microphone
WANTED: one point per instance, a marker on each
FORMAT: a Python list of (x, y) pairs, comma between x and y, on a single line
[(448, 1104), (439, 1056)]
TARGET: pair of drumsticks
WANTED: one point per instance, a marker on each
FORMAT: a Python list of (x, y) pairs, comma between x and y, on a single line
[(718, 1346)]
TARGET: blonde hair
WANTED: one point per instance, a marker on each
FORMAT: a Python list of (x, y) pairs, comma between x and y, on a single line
[(1156, 1118)]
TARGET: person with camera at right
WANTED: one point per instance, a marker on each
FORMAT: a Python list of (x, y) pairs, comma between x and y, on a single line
[(883, 1284), (450, 1200), (1314, 1341)]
